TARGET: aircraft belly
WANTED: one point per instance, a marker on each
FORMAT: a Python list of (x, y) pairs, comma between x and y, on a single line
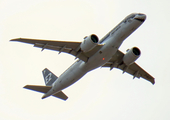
[(104, 54), (110, 48), (70, 76)]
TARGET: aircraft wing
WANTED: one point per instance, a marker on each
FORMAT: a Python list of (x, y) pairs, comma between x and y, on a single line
[(72, 48), (133, 69)]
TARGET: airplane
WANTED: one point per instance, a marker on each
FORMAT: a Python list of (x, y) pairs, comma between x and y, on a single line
[(92, 53)]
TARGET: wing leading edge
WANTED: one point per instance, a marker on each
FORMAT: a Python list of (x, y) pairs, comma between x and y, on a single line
[(72, 48)]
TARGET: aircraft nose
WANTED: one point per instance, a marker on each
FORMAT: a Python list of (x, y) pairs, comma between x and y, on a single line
[(140, 17)]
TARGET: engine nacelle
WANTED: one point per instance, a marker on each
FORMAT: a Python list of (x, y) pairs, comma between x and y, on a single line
[(89, 43), (131, 55)]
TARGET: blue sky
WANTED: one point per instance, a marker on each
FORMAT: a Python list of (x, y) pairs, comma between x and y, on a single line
[(100, 94)]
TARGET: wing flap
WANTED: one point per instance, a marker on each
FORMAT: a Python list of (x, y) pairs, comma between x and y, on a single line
[(137, 71), (69, 47), (134, 69)]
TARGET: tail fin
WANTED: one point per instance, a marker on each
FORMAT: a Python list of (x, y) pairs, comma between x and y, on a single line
[(49, 77)]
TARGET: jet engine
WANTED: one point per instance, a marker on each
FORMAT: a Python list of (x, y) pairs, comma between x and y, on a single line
[(131, 55), (89, 43)]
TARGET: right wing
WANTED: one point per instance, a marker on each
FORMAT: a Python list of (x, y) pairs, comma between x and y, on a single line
[(133, 69), (72, 48)]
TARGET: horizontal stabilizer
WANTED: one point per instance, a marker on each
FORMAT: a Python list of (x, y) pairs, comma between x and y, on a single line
[(45, 89), (60, 95), (38, 88)]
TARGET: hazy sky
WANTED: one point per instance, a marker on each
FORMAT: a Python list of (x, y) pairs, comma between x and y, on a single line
[(100, 94)]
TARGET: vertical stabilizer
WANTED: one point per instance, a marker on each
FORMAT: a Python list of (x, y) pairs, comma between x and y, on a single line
[(49, 77)]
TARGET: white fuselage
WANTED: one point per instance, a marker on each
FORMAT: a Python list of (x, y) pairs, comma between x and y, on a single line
[(111, 41)]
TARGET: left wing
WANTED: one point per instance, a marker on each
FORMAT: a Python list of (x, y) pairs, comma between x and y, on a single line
[(72, 48), (133, 69)]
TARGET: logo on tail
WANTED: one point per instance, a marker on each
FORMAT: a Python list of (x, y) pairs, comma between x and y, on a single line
[(49, 77)]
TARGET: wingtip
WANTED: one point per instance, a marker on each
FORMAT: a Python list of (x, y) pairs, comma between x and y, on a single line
[(12, 40), (25, 86), (153, 82), (66, 99), (16, 39)]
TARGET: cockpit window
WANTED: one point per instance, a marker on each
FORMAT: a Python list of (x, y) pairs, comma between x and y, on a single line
[(131, 16)]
